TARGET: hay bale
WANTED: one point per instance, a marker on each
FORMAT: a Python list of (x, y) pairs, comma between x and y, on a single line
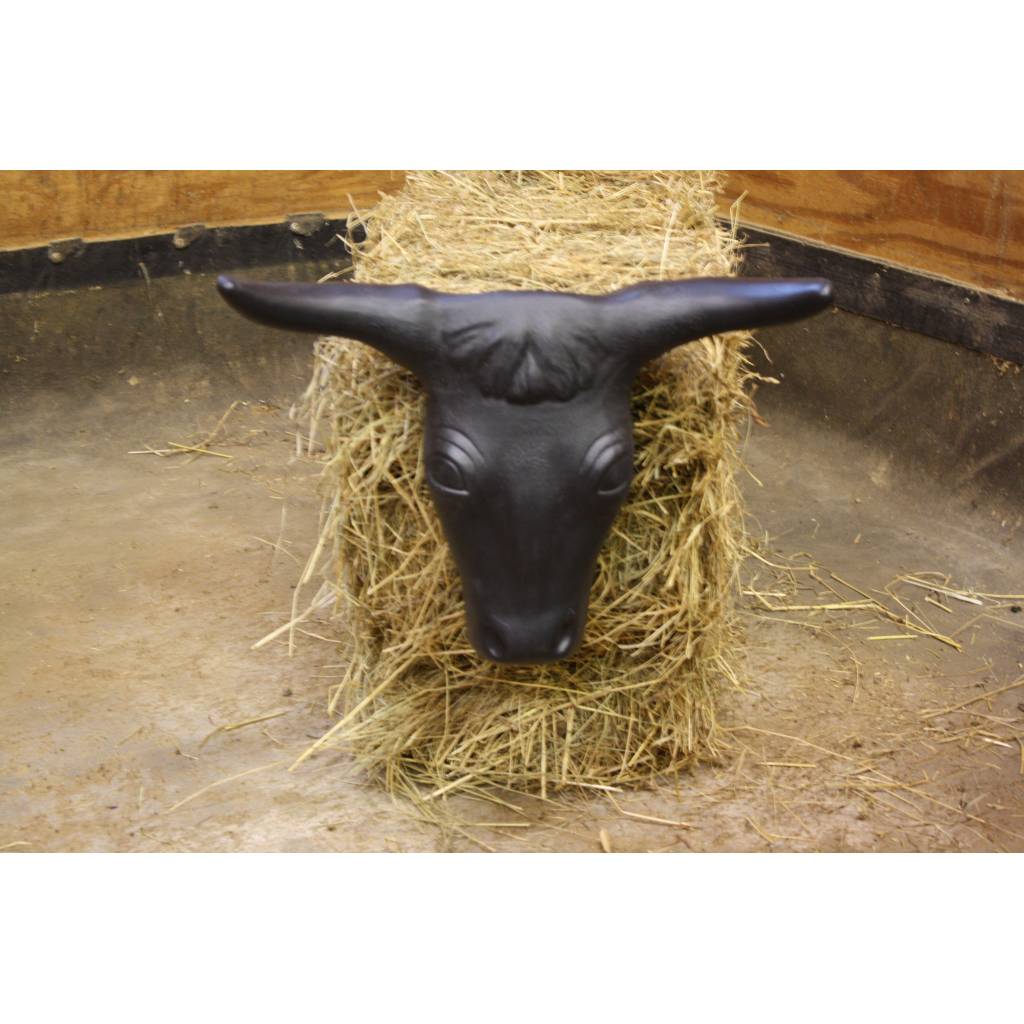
[(416, 706)]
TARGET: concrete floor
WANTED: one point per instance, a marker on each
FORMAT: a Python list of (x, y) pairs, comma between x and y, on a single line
[(134, 586)]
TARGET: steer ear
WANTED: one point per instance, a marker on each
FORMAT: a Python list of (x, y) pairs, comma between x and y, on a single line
[(395, 319), (659, 315)]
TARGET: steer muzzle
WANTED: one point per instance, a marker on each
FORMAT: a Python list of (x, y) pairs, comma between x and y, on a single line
[(532, 640)]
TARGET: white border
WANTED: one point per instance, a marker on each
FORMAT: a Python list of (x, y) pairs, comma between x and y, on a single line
[(517, 937), (789, 84)]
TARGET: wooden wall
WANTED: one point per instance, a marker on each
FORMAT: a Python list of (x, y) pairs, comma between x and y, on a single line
[(966, 225), (37, 207)]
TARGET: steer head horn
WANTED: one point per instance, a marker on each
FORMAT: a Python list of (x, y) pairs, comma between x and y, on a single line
[(394, 319), (528, 442), (656, 316)]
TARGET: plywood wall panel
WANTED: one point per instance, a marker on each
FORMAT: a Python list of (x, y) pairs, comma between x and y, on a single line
[(965, 225), (37, 207)]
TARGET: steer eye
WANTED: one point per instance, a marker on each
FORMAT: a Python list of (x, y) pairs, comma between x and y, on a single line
[(446, 475), (615, 476)]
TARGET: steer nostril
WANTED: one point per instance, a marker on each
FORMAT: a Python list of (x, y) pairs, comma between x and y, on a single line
[(566, 634), (494, 645), (564, 645)]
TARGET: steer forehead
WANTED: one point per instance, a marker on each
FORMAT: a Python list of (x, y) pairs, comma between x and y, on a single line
[(504, 433), (523, 347)]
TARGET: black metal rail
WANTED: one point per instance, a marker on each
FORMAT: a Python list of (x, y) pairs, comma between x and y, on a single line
[(73, 263), (943, 309), (919, 302)]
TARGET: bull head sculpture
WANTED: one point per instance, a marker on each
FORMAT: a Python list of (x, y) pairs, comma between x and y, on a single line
[(528, 438)]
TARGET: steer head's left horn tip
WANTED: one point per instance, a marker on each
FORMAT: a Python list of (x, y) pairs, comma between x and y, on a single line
[(225, 284), (805, 295), (820, 289)]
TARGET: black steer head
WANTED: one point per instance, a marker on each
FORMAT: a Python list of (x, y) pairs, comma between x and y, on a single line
[(528, 439)]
